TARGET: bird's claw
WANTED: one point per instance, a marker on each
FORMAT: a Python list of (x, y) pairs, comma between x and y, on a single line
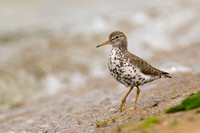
[(131, 108), (121, 106)]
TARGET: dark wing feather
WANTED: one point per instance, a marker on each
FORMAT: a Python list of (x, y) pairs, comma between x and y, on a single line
[(145, 68)]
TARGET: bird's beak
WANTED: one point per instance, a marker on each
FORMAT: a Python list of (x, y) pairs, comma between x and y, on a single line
[(105, 43)]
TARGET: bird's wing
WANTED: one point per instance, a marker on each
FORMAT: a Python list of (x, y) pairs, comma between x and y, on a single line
[(144, 67)]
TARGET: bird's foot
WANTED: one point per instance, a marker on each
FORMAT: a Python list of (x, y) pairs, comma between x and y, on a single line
[(131, 108), (121, 106)]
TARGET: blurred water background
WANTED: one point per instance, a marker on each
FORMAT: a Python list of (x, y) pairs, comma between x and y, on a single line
[(47, 46)]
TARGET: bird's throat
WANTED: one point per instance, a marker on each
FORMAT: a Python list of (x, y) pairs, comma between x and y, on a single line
[(121, 48)]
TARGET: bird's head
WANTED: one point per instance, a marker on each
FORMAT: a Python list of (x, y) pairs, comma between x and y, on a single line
[(116, 38)]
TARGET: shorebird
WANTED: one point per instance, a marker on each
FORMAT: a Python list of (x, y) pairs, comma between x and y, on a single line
[(129, 69)]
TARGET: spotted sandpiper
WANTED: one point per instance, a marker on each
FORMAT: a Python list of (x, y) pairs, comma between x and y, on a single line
[(129, 69)]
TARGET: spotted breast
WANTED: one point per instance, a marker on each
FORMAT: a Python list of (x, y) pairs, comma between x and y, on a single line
[(124, 71)]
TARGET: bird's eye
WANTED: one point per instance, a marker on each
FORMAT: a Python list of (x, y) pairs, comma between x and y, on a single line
[(117, 37)]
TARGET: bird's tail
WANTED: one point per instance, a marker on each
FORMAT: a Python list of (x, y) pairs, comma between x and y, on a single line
[(165, 75)]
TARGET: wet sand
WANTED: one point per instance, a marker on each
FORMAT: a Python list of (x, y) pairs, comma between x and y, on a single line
[(78, 110)]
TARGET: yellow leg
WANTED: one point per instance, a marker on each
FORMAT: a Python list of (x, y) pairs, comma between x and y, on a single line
[(138, 93), (124, 100)]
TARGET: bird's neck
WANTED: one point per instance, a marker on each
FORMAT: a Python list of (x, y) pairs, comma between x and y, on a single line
[(122, 48)]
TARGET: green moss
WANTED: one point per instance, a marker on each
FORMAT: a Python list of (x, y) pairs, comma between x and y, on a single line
[(150, 121), (191, 102), (113, 119), (105, 122), (196, 93), (101, 123), (129, 117), (98, 123), (174, 123)]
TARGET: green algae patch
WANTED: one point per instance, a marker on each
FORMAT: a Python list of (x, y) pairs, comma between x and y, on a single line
[(191, 102), (150, 121), (103, 123), (106, 122)]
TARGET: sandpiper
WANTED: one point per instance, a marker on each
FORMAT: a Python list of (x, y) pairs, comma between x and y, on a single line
[(129, 69)]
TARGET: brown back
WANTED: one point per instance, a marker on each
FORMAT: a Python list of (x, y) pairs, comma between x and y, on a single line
[(144, 67)]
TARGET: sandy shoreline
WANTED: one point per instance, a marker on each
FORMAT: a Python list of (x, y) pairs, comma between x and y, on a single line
[(78, 111)]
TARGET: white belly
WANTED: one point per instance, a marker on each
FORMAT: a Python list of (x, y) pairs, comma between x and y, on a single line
[(125, 72)]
